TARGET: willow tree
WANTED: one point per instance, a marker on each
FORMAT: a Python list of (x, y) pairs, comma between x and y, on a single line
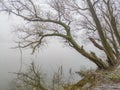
[(63, 18)]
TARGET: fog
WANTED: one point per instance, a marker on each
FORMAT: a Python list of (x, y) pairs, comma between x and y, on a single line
[(52, 55)]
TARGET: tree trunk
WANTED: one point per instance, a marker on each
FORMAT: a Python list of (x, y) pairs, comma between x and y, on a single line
[(107, 47)]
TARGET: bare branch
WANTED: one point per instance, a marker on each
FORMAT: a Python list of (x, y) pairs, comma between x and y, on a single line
[(96, 44)]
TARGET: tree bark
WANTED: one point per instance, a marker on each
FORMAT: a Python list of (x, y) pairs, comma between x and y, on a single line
[(107, 47)]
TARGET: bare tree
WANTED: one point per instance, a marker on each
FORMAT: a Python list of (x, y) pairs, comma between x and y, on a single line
[(98, 18), (31, 79)]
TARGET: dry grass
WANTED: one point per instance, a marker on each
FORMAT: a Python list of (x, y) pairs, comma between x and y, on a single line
[(98, 80)]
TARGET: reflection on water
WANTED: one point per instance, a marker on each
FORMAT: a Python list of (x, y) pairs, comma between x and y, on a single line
[(51, 57)]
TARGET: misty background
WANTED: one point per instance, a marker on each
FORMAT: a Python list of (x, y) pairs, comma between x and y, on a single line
[(49, 57)]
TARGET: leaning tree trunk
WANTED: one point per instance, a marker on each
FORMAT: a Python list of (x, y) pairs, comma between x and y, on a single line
[(108, 50)]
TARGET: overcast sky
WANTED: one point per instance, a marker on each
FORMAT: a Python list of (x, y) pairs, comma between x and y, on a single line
[(53, 55)]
